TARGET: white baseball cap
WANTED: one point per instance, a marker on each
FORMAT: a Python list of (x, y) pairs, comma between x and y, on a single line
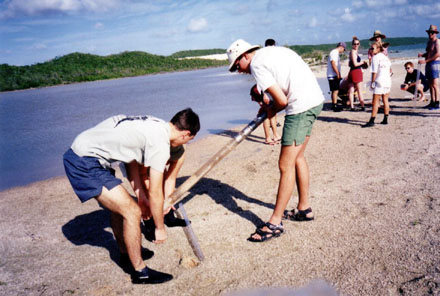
[(236, 49)]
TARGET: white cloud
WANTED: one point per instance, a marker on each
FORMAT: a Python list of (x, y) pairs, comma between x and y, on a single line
[(400, 2), (12, 8), (347, 16), (197, 25), (377, 3)]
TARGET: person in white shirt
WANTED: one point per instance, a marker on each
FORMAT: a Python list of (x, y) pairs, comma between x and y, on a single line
[(334, 73), (380, 83), (283, 74)]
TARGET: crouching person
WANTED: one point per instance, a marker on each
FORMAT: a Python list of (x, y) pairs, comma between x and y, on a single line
[(411, 82), (144, 140)]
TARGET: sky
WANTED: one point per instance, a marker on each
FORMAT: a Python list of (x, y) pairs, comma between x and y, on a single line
[(35, 31)]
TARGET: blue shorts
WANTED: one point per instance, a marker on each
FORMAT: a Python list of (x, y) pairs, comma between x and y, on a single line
[(432, 70), (87, 176)]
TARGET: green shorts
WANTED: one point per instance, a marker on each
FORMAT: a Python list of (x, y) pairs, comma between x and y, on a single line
[(298, 126)]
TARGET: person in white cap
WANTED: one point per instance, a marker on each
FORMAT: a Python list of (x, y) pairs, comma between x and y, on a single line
[(283, 74)]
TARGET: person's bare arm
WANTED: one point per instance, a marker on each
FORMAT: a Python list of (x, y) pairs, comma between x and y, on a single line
[(353, 59), (137, 176), (279, 100), (171, 175), (335, 68), (156, 197), (435, 56)]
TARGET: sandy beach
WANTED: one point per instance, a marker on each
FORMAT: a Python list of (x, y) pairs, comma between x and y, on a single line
[(375, 193)]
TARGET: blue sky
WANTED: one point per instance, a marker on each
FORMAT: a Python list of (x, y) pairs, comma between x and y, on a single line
[(33, 31)]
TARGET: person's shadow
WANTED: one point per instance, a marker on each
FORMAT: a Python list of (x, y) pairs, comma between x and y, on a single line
[(225, 195), (91, 228)]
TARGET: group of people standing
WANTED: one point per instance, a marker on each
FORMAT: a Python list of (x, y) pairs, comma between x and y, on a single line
[(152, 150), (381, 73)]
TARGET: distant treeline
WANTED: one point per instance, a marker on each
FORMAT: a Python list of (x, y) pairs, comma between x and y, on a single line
[(316, 53), (79, 67), (197, 52)]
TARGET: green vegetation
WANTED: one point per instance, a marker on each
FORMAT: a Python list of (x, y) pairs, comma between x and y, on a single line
[(197, 53), (317, 53), (78, 67)]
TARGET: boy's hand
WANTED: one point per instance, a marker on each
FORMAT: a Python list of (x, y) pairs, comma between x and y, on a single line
[(160, 235), (145, 209)]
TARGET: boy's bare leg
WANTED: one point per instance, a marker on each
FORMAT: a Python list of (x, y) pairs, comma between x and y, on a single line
[(120, 202), (273, 123), (266, 127), (289, 171), (302, 178)]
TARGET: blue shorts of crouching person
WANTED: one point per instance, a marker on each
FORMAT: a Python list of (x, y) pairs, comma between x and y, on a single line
[(432, 70), (87, 176)]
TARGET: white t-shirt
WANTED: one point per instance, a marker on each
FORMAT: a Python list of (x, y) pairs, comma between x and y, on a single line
[(279, 65), (145, 139), (381, 65), (333, 56)]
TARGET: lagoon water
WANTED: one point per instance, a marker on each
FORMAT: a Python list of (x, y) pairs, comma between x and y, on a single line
[(38, 126)]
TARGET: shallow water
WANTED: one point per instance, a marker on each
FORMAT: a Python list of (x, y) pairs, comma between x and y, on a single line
[(39, 125)]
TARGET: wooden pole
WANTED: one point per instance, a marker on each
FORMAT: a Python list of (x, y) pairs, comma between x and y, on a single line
[(189, 232), (179, 193)]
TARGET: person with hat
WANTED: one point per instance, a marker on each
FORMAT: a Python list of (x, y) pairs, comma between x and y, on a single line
[(432, 69), (378, 37), (282, 73), (380, 83), (334, 73)]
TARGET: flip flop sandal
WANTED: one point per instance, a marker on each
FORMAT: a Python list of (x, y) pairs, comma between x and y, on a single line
[(297, 215), (275, 231)]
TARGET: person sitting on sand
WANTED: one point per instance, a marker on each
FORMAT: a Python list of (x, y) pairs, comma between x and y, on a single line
[(283, 74), (269, 123), (410, 81), (144, 140), (380, 83)]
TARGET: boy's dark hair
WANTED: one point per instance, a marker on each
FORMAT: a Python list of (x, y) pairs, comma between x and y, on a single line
[(256, 95), (186, 120), (269, 42)]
